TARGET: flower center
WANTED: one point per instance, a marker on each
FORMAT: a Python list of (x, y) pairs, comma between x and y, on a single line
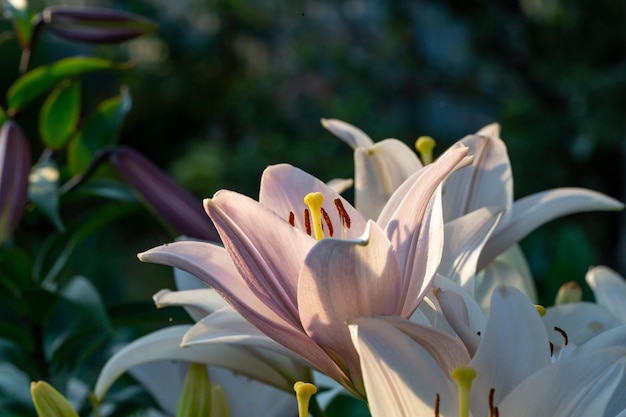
[(304, 392), (315, 217)]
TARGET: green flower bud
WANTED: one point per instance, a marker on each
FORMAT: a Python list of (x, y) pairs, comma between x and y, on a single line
[(49, 402)]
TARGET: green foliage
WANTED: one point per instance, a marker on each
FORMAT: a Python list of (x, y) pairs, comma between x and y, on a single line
[(59, 114), (40, 80)]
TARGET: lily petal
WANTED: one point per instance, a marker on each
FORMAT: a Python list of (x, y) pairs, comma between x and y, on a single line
[(393, 388), (465, 236), (580, 321), (164, 344), (488, 182), (378, 171), (267, 251), (205, 261), (348, 133), (513, 346), (532, 211), (198, 303), (336, 285), (508, 268), (609, 289), (589, 386), (283, 188)]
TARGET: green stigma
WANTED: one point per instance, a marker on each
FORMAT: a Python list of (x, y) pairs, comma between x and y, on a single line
[(464, 375), (314, 201), (425, 145), (304, 392)]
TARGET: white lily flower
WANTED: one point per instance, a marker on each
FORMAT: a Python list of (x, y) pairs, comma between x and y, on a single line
[(380, 168), (409, 375)]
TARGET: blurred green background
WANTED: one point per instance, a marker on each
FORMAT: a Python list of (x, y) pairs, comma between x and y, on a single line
[(226, 87)]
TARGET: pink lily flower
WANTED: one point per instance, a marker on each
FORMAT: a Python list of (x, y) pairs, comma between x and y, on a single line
[(300, 290)]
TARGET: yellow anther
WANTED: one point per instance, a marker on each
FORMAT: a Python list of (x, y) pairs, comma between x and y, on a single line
[(304, 392), (540, 309), (425, 146), (314, 201), (464, 375), (570, 292)]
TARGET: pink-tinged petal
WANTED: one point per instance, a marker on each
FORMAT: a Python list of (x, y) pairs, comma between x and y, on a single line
[(589, 386), (378, 171), (491, 131), (164, 344), (352, 135), (609, 289), (509, 268), (465, 237), (532, 211), (401, 378), (342, 280), (580, 321), (513, 346), (185, 281), (212, 265), (228, 326), (283, 188), (198, 303), (266, 250), (488, 182), (414, 224)]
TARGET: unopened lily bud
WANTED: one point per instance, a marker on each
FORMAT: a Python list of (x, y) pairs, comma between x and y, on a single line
[(93, 25), (172, 203), (570, 292), (195, 398), (49, 402), (15, 167)]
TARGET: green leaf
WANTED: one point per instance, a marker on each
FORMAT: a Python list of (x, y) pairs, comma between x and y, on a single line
[(39, 80), (58, 248), (342, 405), (100, 131), (43, 190), (15, 270), (21, 16), (59, 114), (85, 296)]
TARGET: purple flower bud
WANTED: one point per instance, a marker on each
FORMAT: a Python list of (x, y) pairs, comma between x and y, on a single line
[(15, 167), (172, 203), (94, 25)]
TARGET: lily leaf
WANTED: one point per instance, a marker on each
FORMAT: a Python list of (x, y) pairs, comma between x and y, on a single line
[(85, 296), (43, 190), (59, 114), (41, 79), (100, 130)]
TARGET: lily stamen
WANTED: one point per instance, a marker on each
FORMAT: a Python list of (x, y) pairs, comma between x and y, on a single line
[(304, 392), (329, 224), (343, 214), (464, 375), (437, 400), (292, 218), (314, 201), (307, 222), (493, 410)]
